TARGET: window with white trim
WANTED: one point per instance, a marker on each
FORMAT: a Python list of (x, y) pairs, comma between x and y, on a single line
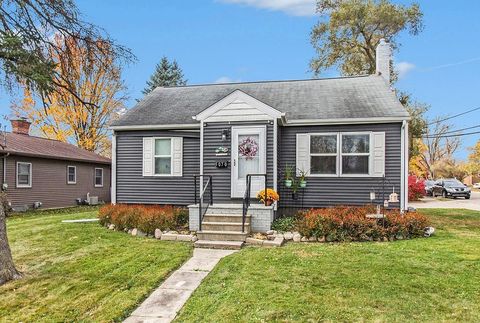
[(323, 154), (344, 154), (355, 154), (98, 177), (71, 175), (24, 174), (163, 156)]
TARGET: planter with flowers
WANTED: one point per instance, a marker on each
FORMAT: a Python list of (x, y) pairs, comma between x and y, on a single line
[(269, 198), (288, 174)]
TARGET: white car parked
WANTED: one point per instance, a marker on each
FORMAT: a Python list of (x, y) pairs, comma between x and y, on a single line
[(476, 185)]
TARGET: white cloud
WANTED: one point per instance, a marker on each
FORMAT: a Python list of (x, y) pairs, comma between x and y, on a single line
[(403, 68), (226, 79), (291, 7)]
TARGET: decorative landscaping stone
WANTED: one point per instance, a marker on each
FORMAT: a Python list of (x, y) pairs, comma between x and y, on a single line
[(312, 239), (288, 236), (194, 238), (270, 232), (134, 232), (169, 237), (158, 233), (304, 239), (297, 237), (271, 236), (129, 231), (184, 237), (172, 232), (321, 239), (255, 241), (141, 233), (111, 226), (278, 235)]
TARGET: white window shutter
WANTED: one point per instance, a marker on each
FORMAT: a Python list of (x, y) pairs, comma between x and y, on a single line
[(303, 153), (177, 156), (378, 154), (147, 156)]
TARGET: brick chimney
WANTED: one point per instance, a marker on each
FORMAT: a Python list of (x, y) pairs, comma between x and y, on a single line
[(383, 58), (20, 126)]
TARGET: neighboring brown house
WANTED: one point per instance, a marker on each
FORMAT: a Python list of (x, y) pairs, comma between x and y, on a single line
[(51, 172)]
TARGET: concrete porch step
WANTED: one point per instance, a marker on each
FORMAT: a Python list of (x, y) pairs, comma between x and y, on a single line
[(212, 244), (230, 218), (221, 235), (224, 226)]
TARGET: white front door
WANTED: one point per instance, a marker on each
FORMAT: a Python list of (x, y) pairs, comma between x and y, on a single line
[(248, 157)]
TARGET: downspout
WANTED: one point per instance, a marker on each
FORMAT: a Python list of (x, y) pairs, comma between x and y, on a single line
[(113, 174), (4, 165), (404, 166)]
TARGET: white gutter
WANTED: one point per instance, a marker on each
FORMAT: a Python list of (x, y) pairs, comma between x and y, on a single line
[(201, 151), (156, 127), (314, 122)]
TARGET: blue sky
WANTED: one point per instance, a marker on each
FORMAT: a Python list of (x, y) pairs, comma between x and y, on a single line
[(249, 40)]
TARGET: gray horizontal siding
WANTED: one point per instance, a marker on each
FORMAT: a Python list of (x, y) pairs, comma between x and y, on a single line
[(222, 176), (49, 182), (330, 191), (133, 187)]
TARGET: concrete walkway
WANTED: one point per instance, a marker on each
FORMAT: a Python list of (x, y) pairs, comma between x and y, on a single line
[(165, 302), (438, 202)]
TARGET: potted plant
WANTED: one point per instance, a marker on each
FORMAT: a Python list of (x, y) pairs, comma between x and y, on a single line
[(268, 197), (288, 173), (303, 181)]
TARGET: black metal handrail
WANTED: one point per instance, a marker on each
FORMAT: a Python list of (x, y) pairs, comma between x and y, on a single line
[(246, 197), (202, 189)]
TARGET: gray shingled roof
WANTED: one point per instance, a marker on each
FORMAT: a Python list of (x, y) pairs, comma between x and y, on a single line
[(335, 98)]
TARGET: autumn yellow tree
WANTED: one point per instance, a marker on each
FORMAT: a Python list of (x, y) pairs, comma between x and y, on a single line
[(93, 92)]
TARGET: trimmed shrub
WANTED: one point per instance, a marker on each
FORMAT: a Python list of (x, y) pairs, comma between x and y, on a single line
[(351, 224), (416, 188), (284, 224), (146, 218)]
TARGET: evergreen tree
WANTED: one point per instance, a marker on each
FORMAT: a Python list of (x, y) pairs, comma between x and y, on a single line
[(166, 74)]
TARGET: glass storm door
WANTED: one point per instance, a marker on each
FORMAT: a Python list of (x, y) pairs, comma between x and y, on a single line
[(248, 157)]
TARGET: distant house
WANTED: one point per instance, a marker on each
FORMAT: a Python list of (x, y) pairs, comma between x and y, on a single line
[(39, 172), (347, 136)]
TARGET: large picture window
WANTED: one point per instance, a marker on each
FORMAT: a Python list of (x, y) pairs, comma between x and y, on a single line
[(323, 154), (163, 156), (24, 174)]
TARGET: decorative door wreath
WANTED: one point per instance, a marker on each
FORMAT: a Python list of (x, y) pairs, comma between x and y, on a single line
[(248, 148)]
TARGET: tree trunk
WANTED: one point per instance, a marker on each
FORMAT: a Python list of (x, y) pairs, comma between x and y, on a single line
[(7, 268)]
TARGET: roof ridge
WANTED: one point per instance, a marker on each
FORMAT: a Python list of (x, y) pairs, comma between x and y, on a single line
[(267, 81)]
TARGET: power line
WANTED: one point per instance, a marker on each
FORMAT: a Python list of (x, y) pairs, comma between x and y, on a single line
[(455, 135), (451, 117), (449, 132)]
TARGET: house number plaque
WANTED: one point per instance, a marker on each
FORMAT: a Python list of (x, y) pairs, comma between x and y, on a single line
[(222, 164)]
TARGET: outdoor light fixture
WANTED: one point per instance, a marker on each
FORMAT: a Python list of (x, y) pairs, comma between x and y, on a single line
[(372, 195), (225, 134)]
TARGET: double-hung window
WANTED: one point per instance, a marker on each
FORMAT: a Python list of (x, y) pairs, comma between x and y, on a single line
[(323, 154), (341, 154), (71, 175), (163, 156), (355, 154), (24, 175), (98, 177)]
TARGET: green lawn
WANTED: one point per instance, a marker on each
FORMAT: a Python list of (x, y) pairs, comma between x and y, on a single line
[(434, 279), (81, 272)]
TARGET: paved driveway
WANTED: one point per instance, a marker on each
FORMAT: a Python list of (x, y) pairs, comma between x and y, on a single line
[(460, 203)]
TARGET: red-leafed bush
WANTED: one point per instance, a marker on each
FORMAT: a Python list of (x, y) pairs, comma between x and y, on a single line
[(146, 218), (351, 224), (416, 188)]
